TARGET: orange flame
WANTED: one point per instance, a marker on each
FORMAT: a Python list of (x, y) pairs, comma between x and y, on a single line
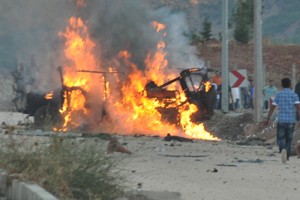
[(79, 51), (145, 112), (156, 64), (139, 112), (207, 86), (196, 131), (158, 26), (133, 112), (49, 95)]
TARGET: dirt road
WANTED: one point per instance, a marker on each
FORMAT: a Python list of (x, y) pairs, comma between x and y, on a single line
[(209, 170)]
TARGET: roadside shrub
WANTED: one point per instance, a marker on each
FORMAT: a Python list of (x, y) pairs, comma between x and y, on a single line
[(66, 168)]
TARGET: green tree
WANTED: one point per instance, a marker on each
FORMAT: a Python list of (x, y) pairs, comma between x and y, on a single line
[(206, 30), (244, 20)]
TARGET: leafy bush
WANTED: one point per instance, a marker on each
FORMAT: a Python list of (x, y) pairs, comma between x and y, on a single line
[(64, 168)]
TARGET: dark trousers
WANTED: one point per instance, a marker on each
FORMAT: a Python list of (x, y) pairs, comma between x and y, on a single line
[(251, 103), (285, 133), (266, 105), (245, 100)]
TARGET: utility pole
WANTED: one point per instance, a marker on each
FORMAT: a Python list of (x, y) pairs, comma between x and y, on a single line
[(225, 81), (258, 68), (294, 75)]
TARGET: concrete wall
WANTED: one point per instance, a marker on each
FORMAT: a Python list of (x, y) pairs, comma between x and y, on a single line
[(19, 190), (15, 118)]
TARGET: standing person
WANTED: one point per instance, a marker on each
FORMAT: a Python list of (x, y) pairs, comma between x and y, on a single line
[(288, 103), (251, 94), (215, 87), (217, 79), (245, 97), (245, 91), (269, 93), (230, 98), (297, 91), (236, 97)]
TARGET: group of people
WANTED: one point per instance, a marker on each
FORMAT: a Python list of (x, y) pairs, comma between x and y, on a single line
[(242, 97), (269, 93), (288, 104)]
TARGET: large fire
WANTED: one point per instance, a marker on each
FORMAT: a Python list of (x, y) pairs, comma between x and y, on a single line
[(79, 51), (131, 112)]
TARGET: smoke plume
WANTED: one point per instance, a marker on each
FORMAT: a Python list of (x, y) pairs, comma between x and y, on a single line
[(31, 35)]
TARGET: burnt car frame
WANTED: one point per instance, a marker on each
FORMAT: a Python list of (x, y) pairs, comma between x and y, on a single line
[(194, 83)]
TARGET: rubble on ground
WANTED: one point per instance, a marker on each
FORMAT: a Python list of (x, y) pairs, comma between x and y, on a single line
[(229, 126)]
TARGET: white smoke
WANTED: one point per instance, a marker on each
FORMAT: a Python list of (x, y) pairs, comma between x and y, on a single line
[(180, 53), (126, 24), (31, 32)]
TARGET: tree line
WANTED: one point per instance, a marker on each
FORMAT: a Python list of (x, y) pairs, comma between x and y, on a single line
[(241, 21)]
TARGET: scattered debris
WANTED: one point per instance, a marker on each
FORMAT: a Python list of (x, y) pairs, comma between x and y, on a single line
[(251, 161), (226, 165), (151, 195), (186, 156), (229, 126), (140, 185), (11, 129), (215, 170), (8, 129), (271, 154), (139, 135), (252, 141), (102, 136), (169, 138), (115, 146)]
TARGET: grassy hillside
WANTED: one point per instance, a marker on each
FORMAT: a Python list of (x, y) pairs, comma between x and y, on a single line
[(281, 18), (282, 21)]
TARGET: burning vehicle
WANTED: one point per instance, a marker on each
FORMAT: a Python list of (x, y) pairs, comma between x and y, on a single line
[(197, 89), (194, 83), (45, 107), (144, 93)]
